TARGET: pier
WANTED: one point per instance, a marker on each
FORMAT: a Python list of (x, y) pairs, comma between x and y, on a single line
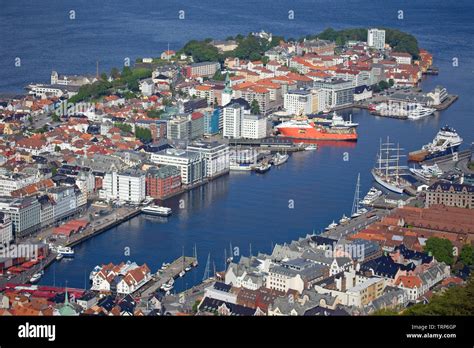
[(163, 276), (355, 224)]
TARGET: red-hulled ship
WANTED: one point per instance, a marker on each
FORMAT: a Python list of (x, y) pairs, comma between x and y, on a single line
[(302, 128)]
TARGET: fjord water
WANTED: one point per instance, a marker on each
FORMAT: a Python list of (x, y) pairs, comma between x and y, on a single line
[(240, 208)]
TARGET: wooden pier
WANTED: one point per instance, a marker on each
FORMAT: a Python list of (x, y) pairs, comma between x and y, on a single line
[(164, 276)]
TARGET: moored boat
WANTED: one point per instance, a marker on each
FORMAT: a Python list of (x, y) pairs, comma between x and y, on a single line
[(65, 251), (331, 225), (279, 159), (157, 210), (388, 173), (263, 168), (302, 128), (446, 141)]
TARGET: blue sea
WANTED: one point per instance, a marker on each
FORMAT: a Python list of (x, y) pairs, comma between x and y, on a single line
[(248, 210)]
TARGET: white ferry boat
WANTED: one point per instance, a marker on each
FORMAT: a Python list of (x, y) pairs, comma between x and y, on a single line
[(157, 210), (65, 251)]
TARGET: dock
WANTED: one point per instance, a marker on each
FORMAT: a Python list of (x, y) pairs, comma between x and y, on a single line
[(102, 227), (163, 276)]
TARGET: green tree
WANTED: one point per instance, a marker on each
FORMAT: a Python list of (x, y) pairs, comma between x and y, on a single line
[(124, 127), (154, 113), (454, 301), (441, 249), (255, 107), (55, 117), (383, 85), (57, 148), (103, 76), (144, 134), (115, 73), (391, 82), (467, 254)]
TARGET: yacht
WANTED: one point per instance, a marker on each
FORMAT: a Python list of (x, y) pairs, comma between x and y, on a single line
[(344, 219), (427, 172), (157, 210), (36, 277), (167, 287), (65, 251), (331, 225), (371, 196), (419, 111), (279, 159), (263, 168), (59, 257)]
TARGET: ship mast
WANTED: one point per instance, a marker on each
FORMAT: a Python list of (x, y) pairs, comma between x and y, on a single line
[(355, 204)]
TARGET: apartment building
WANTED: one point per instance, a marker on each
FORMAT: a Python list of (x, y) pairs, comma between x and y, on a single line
[(192, 165), (376, 38), (23, 212), (125, 186), (453, 195), (216, 156)]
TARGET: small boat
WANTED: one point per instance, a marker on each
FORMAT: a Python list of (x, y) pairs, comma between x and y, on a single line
[(182, 273), (65, 251), (166, 287), (344, 219), (359, 212), (187, 269), (157, 210), (311, 147), (331, 225), (263, 168), (59, 257), (36, 277), (279, 159)]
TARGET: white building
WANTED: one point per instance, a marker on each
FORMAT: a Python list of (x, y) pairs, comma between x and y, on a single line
[(14, 181), (284, 279), (298, 102), (216, 156), (191, 164), (125, 186), (6, 229), (147, 87), (65, 202), (233, 115), (254, 127), (23, 212), (402, 57), (376, 38)]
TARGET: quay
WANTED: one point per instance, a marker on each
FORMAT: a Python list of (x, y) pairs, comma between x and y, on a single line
[(163, 276), (355, 224), (101, 226)]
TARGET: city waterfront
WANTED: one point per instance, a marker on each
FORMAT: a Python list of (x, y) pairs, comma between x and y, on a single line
[(248, 210)]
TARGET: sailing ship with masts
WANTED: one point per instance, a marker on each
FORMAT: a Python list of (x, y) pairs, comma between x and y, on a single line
[(388, 172)]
